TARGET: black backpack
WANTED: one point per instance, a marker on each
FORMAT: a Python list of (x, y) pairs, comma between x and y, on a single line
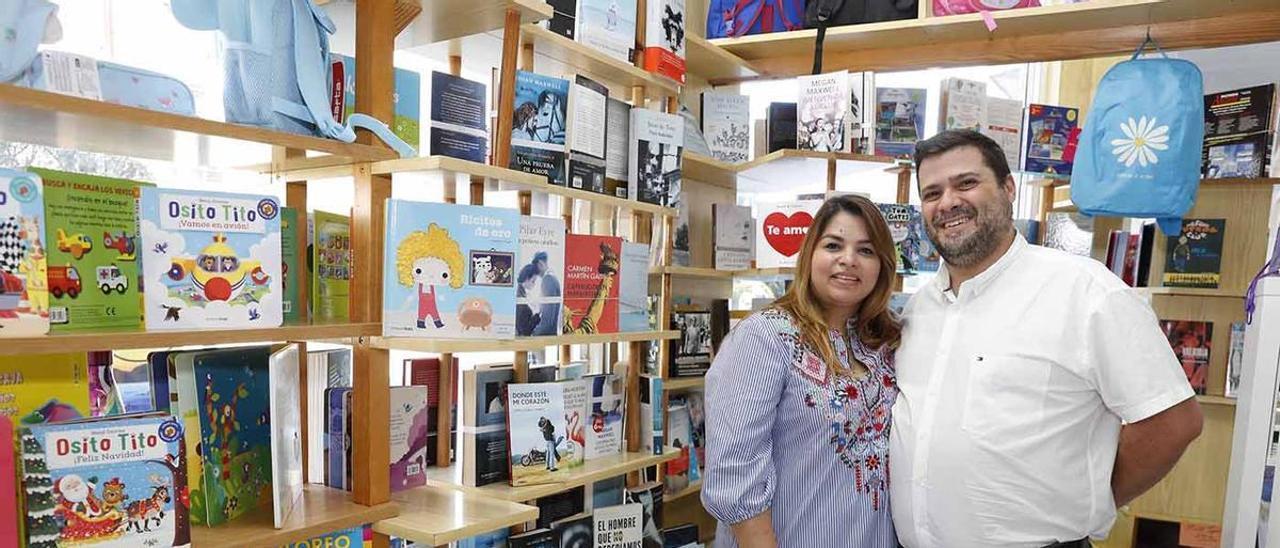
[(820, 14)]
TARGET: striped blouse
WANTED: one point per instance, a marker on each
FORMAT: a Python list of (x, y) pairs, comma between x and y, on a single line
[(781, 435)]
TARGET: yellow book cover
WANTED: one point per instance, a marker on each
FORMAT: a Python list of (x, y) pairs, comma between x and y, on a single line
[(331, 259), (44, 388)]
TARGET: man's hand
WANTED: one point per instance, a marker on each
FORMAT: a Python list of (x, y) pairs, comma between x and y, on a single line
[(1150, 447)]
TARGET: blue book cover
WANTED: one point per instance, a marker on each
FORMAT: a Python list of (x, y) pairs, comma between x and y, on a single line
[(449, 271), (1049, 131), (210, 259), (335, 438), (916, 252), (633, 288), (492, 539), (538, 124), (458, 118), (899, 120), (608, 492), (407, 118), (24, 287)]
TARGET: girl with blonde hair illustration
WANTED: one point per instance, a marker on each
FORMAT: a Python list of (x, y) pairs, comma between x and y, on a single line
[(425, 259)]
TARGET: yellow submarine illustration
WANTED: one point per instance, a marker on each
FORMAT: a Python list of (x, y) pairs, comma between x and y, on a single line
[(217, 271)]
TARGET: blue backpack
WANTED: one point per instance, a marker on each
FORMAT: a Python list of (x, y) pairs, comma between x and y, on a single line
[(23, 25), (1139, 151), (734, 18)]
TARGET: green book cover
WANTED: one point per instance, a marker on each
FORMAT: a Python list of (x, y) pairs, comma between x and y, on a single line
[(92, 231), (289, 256), (331, 257)]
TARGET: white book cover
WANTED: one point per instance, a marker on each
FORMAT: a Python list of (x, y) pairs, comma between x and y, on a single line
[(619, 526), (587, 138), (617, 147), (1004, 126), (657, 139), (633, 288), (964, 104), (726, 124), (823, 114), (1235, 360), (605, 434), (540, 277), (862, 115), (780, 231), (410, 421), (608, 26), (536, 431), (664, 39), (286, 434), (577, 410), (733, 227)]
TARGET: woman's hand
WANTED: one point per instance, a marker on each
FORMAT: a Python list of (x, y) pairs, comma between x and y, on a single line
[(756, 532)]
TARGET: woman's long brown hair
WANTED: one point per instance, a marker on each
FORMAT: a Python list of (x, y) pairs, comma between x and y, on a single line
[(875, 325)]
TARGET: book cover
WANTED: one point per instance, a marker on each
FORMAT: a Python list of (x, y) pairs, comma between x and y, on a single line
[(574, 532), (680, 536), (577, 411), (563, 18), (587, 140), (726, 124), (484, 425), (608, 492), (733, 228), (1194, 257), (1237, 132), (697, 431), (915, 251), (1049, 130), (1004, 126), (823, 112), (410, 423), (289, 266), (780, 231), (426, 372), (681, 251), (91, 235), (691, 353), (651, 412), (780, 126), (719, 323), (113, 483), (964, 104), (1235, 360), (694, 141), (449, 271), (619, 526), (210, 259), (336, 434), (538, 123), (353, 537), (406, 122), (608, 407), (657, 140), (1191, 342), (24, 287), (919, 248), (9, 534), (492, 539), (618, 143), (608, 26), (899, 120), (286, 433), (457, 125), (539, 293), (42, 388), (591, 278), (862, 117), (331, 267), (537, 538), (664, 48), (679, 438), (537, 429), (633, 290), (650, 498), (560, 506)]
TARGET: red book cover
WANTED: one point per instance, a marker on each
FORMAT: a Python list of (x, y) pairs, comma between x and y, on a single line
[(590, 284), (1130, 261), (8, 486), (1191, 342)]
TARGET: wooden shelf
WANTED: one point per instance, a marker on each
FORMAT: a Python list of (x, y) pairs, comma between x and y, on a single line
[(1190, 292), (323, 510), (1051, 33), (64, 121), (713, 64), (684, 383), (693, 272), (592, 61), (592, 470), (122, 339), (694, 488), (1062, 192), (1216, 400), (530, 344), (802, 169), (436, 516), (781, 272), (705, 169), (449, 19)]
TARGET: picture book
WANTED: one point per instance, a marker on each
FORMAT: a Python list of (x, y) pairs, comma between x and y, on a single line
[(1235, 360), (733, 228), (587, 140), (8, 486), (24, 288), (650, 498), (899, 120), (410, 424), (618, 526), (964, 104), (1191, 341), (563, 19), (539, 281), (210, 259), (691, 353), (664, 47), (110, 483), (1050, 130), (91, 232), (651, 412), (618, 144), (330, 248), (41, 388), (538, 123), (607, 492), (537, 429), (780, 231), (286, 433), (1238, 132), (484, 425), (657, 139), (608, 26), (426, 372), (633, 289), (591, 278), (449, 271), (916, 252), (458, 118), (823, 114), (1004, 126), (676, 478), (336, 437), (289, 266), (574, 532), (608, 401), (353, 537), (780, 126), (726, 124), (406, 120), (1193, 258)]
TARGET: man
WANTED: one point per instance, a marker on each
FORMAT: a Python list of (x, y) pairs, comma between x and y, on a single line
[(1037, 390)]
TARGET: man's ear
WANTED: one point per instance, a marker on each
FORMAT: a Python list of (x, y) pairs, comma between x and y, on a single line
[(1010, 188)]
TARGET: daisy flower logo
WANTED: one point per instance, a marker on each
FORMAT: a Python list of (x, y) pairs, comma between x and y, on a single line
[(1143, 138)]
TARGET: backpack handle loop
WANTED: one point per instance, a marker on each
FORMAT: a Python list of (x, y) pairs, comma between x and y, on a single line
[(1148, 41)]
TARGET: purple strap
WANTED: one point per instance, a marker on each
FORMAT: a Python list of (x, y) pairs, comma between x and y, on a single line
[(1272, 268)]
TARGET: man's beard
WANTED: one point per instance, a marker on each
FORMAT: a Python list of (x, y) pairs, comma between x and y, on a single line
[(991, 223)]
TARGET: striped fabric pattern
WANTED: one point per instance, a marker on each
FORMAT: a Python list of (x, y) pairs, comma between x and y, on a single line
[(782, 436)]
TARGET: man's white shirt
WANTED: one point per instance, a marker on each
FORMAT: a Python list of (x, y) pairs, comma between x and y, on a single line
[(1013, 391)]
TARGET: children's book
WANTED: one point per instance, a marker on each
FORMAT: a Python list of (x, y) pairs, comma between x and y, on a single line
[(780, 231), (210, 259), (619, 526), (325, 369), (899, 120), (330, 248), (608, 407), (336, 435), (618, 145), (8, 486), (538, 123), (657, 139), (651, 412), (591, 283), (964, 104), (1191, 341), (484, 425), (1193, 258), (426, 372), (823, 114), (587, 140), (91, 240), (537, 432), (679, 438), (733, 228), (286, 433), (44, 388), (406, 120), (1004, 126), (1238, 132), (449, 271), (111, 483), (289, 266), (458, 118), (726, 124), (540, 278), (1050, 132), (916, 252), (664, 51), (691, 353), (633, 292), (354, 537), (410, 424), (24, 287), (608, 26)]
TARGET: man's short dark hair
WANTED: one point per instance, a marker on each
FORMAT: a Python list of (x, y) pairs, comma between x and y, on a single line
[(951, 139)]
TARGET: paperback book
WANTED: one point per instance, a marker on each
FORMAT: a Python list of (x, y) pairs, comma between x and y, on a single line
[(587, 140), (574, 532), (24, 287), (733, 228), (539, 293), (337, 438), (964, 104), (458, 118), (781, 228), (726, 124), (563, 19), (633, 290), (823, 113), (780, 126), (1004, 126), (608, 26), (1235, 360), (1191, 343), (691, 353), (1238, 132), (577, 407), (1193, 258), (664, 51), (681, 253), (331, 261), (426, 372), (484, 425), (676, 477), (591, 277), (649, 496), (652, 438), (899, 120), (618, 145), (538, 123), (1050, 130), (537, 431), (619, 526), (657, 140), (608, 400)]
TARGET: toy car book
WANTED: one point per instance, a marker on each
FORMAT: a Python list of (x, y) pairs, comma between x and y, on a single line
[(24, 289), (537, 433)]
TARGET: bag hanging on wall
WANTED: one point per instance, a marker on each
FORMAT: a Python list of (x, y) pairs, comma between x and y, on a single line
[(821, 14), (24, 24), (1139, 152), (734, 18)]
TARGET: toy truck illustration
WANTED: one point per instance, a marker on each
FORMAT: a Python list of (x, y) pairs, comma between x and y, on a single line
[(110, 277), (64, 280)]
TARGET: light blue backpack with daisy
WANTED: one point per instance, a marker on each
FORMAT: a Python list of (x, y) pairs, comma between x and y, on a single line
[(1139, 151)]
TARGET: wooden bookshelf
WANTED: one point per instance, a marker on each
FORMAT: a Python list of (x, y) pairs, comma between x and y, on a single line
[(322, 510), (1062, 192), (1216, 400), (63, 121), (781, 272), (530, 344), (684, 383), (714, 64), (137, 338), (582, 57), (1190, 292), (450, 19), (436, 516), (541, 185), (705, 169), (592, 470), (693, 272), (694, 488)]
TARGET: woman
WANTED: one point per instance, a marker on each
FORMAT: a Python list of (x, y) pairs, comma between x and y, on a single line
[(798, 398)]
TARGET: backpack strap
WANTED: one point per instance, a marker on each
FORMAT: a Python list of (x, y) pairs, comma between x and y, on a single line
[(826, 9), (1272, 268)]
